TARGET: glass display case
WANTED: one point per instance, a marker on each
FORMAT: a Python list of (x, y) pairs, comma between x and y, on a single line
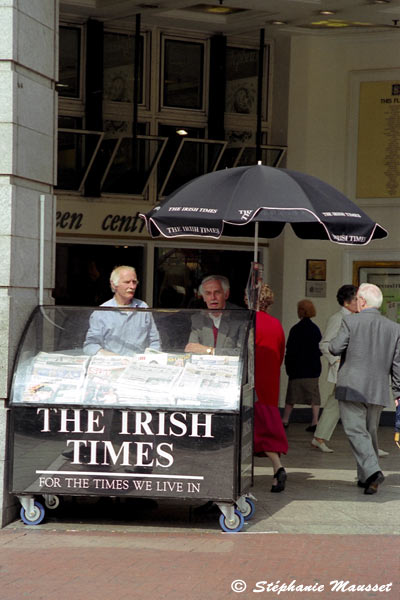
[(108, 401)]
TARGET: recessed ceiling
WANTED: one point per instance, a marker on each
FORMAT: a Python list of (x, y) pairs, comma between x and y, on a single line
[(227, 16)]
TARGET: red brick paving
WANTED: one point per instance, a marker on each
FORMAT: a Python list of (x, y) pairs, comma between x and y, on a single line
[(66, 565)]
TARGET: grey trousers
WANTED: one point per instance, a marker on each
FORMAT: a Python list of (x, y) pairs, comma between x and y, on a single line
[(329, 419), (360, 423)]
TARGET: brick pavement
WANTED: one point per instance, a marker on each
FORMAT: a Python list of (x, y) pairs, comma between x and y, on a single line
[(92, 565), (321, 529)]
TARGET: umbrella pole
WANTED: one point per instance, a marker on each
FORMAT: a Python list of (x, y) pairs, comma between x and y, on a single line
[(256, 242)]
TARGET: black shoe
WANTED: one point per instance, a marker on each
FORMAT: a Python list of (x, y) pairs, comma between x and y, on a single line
[(285, 425), (373, 482), (84, 456), (311, 428), (280, 477), (361, 484), (68, 454)]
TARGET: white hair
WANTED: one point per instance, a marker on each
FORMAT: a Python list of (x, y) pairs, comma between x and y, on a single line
[(371, 294), (116, 274), (224, 281)]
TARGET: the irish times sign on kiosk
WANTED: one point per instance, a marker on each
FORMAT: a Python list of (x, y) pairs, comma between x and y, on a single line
[(150, 422)]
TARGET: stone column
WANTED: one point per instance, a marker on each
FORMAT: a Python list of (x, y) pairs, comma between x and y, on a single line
[(28, 117)]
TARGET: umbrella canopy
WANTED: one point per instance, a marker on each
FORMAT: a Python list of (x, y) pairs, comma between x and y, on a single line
[(228, 201)]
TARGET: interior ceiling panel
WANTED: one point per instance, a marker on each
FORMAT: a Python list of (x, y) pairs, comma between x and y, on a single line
[(234, 15)]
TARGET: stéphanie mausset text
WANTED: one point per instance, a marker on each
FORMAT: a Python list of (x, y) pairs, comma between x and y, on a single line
[(336, 585)]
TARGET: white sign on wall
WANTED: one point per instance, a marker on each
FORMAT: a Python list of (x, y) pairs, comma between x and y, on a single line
[(88, 217)]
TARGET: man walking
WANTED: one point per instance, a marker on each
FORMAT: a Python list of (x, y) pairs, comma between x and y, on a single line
[(370, 347), (346, 297)]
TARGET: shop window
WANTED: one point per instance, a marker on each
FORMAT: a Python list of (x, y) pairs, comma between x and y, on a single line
[(241, 156), (83, 272), (184, 172), (192, 159), (69, 62), (127, 163), (183, 72), (179, 272), (76, 150), (270, 156), (119, 67)]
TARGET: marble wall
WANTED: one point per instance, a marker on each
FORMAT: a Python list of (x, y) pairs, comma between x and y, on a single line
[(28, 115)]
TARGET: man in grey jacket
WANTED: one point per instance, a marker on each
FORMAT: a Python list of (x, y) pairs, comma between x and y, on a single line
[(212, 332), (370, 347)]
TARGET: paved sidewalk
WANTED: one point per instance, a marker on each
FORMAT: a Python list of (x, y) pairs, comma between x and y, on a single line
[(320, 530), (78, 565)]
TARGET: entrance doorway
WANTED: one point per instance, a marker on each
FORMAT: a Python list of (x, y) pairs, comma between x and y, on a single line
[(178, 273), (83, 272)]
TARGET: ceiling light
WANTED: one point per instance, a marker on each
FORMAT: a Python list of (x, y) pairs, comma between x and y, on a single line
[(327, 12), (215, 9), (278, 22), (181, 132), (336, 23)]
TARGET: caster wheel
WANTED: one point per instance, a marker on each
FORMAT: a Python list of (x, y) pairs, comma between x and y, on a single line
[(52, 502), (35, 517), (232, 526), (250, 509)]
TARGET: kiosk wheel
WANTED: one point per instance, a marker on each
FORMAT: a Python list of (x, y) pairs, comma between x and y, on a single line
[(51, 502), (35, 517), (233, 525), (249, 509)]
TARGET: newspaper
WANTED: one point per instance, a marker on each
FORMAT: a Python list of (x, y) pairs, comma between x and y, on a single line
[(55, 378), (149, 379), (149, 384), (203, 384), (103, 373)]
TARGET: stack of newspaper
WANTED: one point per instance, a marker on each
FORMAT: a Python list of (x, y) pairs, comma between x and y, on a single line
[(148, 384), (55, 378), (209, 382), (150, 379)]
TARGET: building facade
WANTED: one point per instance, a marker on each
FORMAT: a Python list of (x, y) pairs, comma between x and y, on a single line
[(101, 118)]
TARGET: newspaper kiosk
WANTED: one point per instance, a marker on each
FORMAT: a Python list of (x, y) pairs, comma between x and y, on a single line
[(151, 423)]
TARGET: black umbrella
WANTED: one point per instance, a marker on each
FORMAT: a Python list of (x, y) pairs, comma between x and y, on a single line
[(228, 201)]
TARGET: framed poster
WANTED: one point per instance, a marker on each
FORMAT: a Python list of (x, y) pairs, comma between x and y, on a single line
[(119, 72), (386, 275), (378, 173), (316, 270), (316, 289), (241, 80)]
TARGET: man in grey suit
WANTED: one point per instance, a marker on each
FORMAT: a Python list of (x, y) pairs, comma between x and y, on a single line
[(370, 347), (213, 332)]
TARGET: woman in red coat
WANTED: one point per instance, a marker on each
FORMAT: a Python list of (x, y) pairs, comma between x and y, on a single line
[(269, 435)]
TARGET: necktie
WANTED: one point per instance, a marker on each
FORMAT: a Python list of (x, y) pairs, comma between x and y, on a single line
[(215, 332)]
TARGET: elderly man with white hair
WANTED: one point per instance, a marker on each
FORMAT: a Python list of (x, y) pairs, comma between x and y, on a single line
[(369, 345), (122, 332)]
